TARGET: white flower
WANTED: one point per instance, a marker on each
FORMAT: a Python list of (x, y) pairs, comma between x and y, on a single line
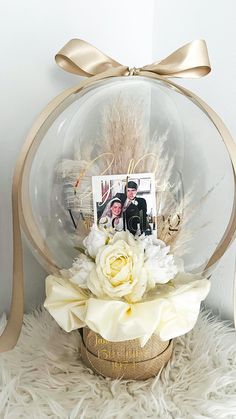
[(119, 270), (124, 266), (80, 270), (149, 241), (97, 238), (159, 264)]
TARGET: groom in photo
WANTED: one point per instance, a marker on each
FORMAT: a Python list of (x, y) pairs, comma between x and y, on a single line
[(134, 209)]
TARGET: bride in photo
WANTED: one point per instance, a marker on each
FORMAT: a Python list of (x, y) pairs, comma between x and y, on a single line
[(112, 215)]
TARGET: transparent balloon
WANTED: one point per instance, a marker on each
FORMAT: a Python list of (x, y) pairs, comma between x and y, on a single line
[(122, 126)]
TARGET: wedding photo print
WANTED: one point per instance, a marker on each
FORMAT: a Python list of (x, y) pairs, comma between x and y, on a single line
[(125, 202)]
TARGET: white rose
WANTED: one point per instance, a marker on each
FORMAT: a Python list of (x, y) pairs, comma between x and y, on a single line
[(119, 270), (80, 270), (97, 238), (159, 264)]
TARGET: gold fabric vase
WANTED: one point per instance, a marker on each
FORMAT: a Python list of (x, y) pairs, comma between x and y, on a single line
[(127, 360)]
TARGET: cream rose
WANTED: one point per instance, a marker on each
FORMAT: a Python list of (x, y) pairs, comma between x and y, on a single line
[(119, 270)]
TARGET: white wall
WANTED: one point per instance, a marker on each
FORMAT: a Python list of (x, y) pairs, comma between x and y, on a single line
[(134, 33), (32, 31), (175, 24)]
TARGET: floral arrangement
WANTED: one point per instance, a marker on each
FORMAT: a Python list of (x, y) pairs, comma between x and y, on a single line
[(121, 285), (125, 287)]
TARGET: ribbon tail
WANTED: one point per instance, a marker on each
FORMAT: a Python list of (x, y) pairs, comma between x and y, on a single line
[(81, 58), (11, 333), (189, 61)]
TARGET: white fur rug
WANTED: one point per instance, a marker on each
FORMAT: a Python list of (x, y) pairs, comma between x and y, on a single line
[(43, 377)]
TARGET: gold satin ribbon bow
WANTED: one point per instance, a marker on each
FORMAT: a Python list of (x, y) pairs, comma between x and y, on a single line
[(80, 57)]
